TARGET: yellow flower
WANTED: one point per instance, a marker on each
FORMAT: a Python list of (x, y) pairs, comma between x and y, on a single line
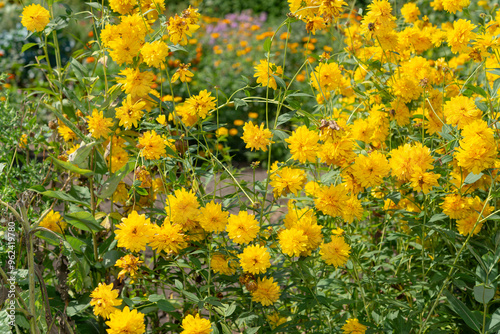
[(123, 7), (455, 206), (99, 126), (410, 12), (242, 228), (305, 220), (303, 144), (152, 145), (179, 29), (35, 17), (23, 141), (125, 48), (182, 208), (328, 77), (104, 300), (330, 199), (370, 170), (352, 326), (65, 132), (212, 218), (53, 221), (155, 53), (423, 181), (461, 110), (129, 265), (265, 72), (478, 149), (126, 321), (168, 238), (336, 252), (460, 36), (287, 180), (182, 73), (338, 153), (476, 213), (219, 264), (275, 319), (135, 82), (196, 325), (161, 119), (267, 292), (255, 259), (256, 137), (130, 112), (453, 6), (184, 111), (293, 241), (352, 208), (134, 232), (331, 9), (201, 104), (406, 157)]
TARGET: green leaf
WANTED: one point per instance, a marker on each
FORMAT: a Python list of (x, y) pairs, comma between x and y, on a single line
[(438, 216), (109, 187), (75, 307), (395, 197), (72, 168), (471, 178), (83, 220), (191, 296), (79, 70), (94, 5), (109, 259), (68, 123), (280, 81), (63, 197), (483, 293), (280, 136), (81, 154), (462, 310), (267, 44), (251, 330), (230, 310), (239, 103), (27, 46), (494, 324), (283, 118), (165, 305)]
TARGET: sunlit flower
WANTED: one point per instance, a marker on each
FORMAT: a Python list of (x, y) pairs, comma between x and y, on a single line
[(35, 17), (104, 300), (126, 321)]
